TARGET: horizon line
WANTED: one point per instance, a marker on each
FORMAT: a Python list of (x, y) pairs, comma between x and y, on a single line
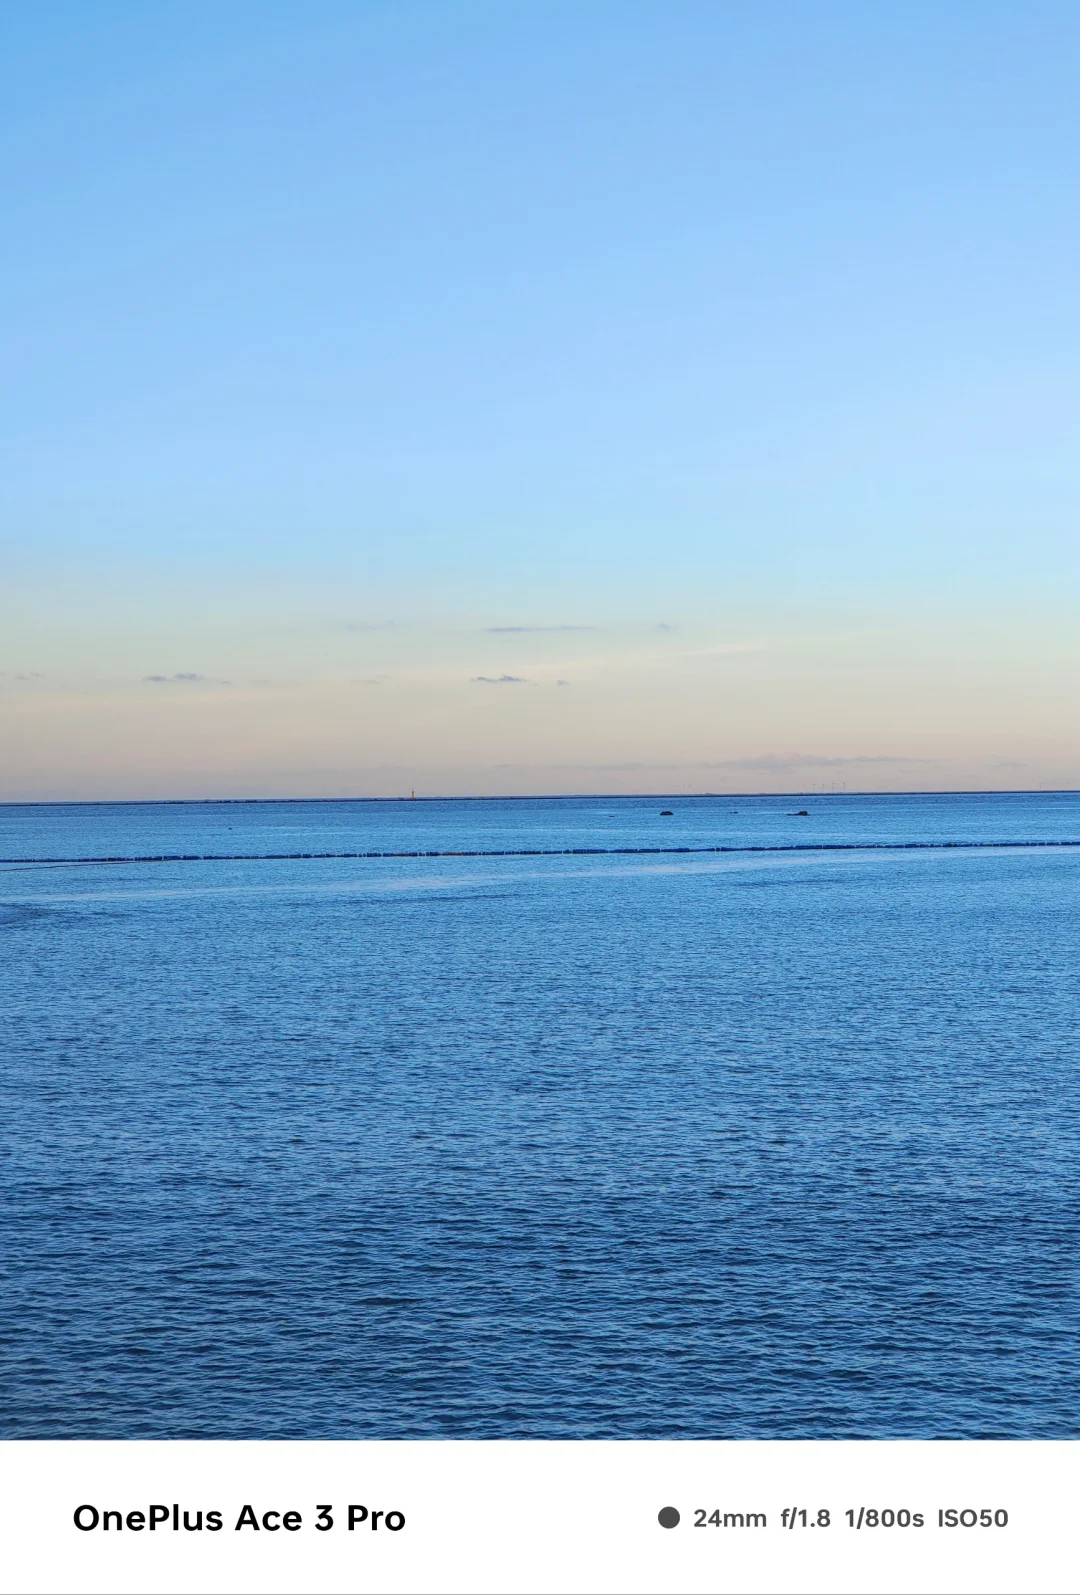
[(538, 797)]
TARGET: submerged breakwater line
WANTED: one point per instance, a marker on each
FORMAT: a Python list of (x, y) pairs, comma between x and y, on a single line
[(541, 852)]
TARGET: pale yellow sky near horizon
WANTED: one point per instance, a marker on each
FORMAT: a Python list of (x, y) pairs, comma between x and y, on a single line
[(148, 705)]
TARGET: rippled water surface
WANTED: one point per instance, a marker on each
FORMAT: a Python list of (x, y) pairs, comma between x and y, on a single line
[(766, 1144)]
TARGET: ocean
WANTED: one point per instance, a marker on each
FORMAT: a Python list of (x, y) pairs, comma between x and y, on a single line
[(574, 1141)]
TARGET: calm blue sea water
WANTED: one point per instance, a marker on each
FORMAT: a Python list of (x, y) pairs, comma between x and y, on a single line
[(771, 1145)]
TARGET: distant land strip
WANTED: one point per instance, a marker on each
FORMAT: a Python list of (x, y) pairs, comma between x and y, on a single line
[(542, 852)]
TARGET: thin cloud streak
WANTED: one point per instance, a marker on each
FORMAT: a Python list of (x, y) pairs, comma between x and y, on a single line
[(186, 678), (766, 761), (793, 761), (648, 659)]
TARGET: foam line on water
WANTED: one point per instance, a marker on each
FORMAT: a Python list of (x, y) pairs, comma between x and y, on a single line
[(540, 852)]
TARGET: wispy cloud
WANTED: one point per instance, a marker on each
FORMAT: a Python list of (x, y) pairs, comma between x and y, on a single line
[(503, 630), (186, 677), (659, 656), (766, 761), (499, 681), (792, 761), (633, 766)]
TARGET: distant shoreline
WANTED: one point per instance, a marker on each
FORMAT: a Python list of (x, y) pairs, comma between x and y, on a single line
[(534, 797)]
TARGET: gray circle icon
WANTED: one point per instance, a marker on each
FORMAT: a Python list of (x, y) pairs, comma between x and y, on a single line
[(668, 1517)]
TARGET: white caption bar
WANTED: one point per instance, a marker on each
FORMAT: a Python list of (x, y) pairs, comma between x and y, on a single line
[(533, 1516)]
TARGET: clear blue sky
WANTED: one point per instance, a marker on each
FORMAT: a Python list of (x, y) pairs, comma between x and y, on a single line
[(340, 337)]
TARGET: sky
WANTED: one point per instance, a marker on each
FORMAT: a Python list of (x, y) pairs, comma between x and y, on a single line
[(553, 397)]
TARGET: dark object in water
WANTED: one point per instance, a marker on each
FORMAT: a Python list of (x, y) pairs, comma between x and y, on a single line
[(668, 812), (800, 814)]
